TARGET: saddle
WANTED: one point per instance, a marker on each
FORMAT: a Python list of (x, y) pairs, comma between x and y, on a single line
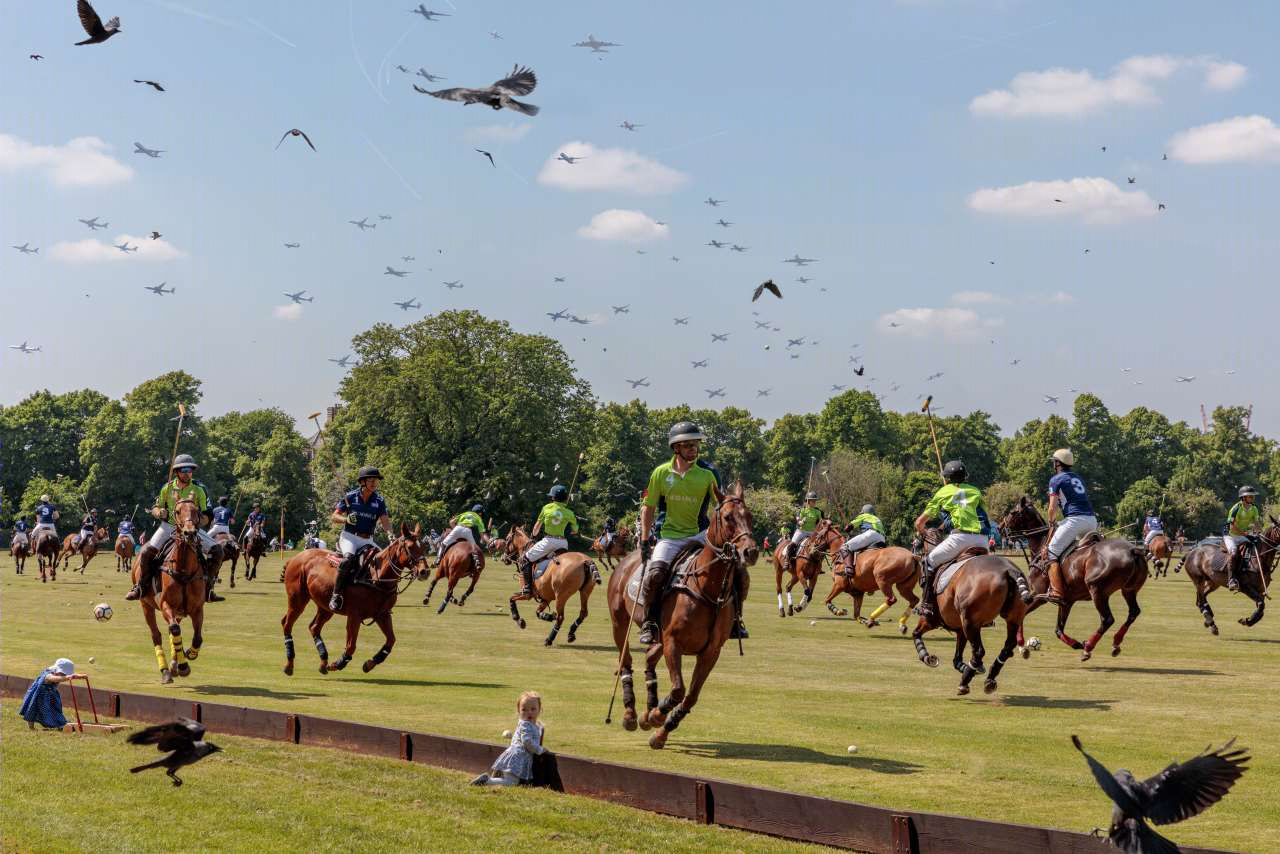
[(540, 567), (681, 567), (1090, 539), (206, 564), (364, 570)]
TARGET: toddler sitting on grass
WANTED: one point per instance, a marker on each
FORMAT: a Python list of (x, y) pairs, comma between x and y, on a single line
[(515, 765)]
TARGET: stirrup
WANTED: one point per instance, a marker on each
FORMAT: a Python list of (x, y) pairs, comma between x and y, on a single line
[(135, 594), (335, 602), (739, 630), (649, 633)]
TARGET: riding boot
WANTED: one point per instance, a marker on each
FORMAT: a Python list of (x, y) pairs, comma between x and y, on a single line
[(1233, 568), (1055, 594), (739, 628), (146, 557), (655, 580), (526, 577), (928, 600), (789, 557), (345, 570)]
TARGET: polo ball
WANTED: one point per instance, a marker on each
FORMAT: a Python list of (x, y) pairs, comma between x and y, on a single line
[(1033, 643), (506, 733), (102, 612), (813, 622), (92, 659), (853, 748)]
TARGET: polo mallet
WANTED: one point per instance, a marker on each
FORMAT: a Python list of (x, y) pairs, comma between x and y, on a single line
[(809, 488), (576, 469), (182, 413), (933, 433)]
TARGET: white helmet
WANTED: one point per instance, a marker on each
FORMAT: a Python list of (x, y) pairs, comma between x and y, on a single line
[(1064, 456), (45, 498)]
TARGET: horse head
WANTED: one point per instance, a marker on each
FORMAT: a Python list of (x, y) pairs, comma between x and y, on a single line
[(403, 552), (1022, 518), (730, 528), (826, 537), (515, 542), (186, 521)]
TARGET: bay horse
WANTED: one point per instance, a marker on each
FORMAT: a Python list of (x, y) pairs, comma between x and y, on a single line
[(696, 617), (566, 574), (980, 588), (124, 553), (1160, 551), (21, 550), (309, 576), (48, 551), (255, 547), (875, 569), (1094, 569), (86, 549), (617, 548), (460, 560), (807, 566), (1206, 566), (231, 552), (182, 585)]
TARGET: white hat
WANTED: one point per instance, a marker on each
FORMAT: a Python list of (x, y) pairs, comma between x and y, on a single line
[(64, 666), (1064, 456), (44, 497)]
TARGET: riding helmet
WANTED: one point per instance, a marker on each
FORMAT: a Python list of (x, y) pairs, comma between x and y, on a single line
[(93, 512), (45, 498), (558, 493), (477, 508), (183, 461), (223, 501), (954, 471), (1151, 512), (684, 431), (811, 496), (868, 508), (1064, 456), (1247, 490), (368, 471)]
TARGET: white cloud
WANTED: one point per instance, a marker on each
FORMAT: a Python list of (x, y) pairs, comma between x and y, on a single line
[(81, 162), (288, 311), (1068, 93), (91, 250), (626, 226), (1061, 298), (1242, 138), (950, 323), (609, 169), (977, 298), (510, 132), (1093, 200)]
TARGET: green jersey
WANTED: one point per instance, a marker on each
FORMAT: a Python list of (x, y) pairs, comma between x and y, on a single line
[(868, 522), (682, 498), (173, 492), (1244, 517), (555, 518), (808, 518), (470, 520), (962, 503)]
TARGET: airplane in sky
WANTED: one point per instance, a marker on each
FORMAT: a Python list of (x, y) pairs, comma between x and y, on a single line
[(298, 297), (567, 159), (344, 362), (562, 314), (715, 203), (763, 392), (643, 382), (681, 321), (430, 78), (581, 321), (715, 336), (26, 249), (723, 223), (24, 348), (596, 45), (629, 126), (736, 248), (762, 324), (139, 148), (559, 279), (1184, 379), (292, 245), (835, 387), (1049, 398), (798, 261), (794, 342), (363, 223), (407, 258), (716, 243), (714, 392), (411, 302), (622, 309), (428, 14), (124, 246), (454, 285), (159, 290), (397, 273), (94, 224), (701, 363), (804, 280)]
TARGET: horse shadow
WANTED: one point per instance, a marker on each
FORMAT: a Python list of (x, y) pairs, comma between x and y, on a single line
[(425, 683), (1160, 671), (248, 691), (1035, 701), (591, 647), (792, 753), (1254, 640)]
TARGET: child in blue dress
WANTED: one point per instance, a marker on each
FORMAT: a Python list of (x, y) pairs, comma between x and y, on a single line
[(42, 704), (515, 765)]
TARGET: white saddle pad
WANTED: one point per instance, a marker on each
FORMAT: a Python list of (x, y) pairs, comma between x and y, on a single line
[(947, 574)]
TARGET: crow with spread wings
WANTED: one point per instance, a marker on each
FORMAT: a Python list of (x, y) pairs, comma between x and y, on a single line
[(183, 738), (520, 81)]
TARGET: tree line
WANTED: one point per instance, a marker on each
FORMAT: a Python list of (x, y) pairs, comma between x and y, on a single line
[(458, 408)]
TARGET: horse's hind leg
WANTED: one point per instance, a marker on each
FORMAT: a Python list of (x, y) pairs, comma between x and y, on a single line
[(294, 609), (957, 660), (889, 601), (907, 589), (922, 652), (972, 632), (432, 589), (448, 595), (1108, 620), (1131, 599), (582, 615), (836, 589), (1012, 629), (777, 583), (555, 629), (658, 716), (1202, 603), (383, 622), (1060, 629), (620, 627), (472, 586), (701, 670), (317, 623), (1252, 619)]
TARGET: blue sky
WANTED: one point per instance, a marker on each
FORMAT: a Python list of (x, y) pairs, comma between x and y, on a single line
[(904, 145)]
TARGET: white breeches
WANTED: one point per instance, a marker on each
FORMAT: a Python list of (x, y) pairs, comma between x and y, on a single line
[(544, 547), (164, 533), (956, 542), (1151, 535), (666, 550), (215, 530), (44, 526), (868, 537), (1231, 543), (1068, 531), (20, 538), (459, 532), (800, 536), (349, 543)]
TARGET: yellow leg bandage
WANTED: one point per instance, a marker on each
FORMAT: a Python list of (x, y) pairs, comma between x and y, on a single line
[(884, 606), (175, 641), (160, 659)]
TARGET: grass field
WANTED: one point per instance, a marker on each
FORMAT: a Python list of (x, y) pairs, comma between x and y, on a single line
[(782, 716)]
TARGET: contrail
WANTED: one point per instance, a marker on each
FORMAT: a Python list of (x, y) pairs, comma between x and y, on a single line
[(691, 142), (195, 13), (393, 169), (275, 36), (382, 65), (351, 34)]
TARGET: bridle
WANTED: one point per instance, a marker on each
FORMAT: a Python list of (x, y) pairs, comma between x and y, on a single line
[(728, 550)]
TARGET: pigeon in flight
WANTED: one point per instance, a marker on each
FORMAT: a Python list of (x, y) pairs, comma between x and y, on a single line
[(714, 392), (153, 84), (1133, 180), (762, 324), (766, 285), (488, 155), (402, 69), (183, 738), (763, 392), (1179, 792), (860, 370), (36, 56), (804, 280), (296, 132), (407, 258), (1160, 206), (93, 24), (521, 81), (559, 279)]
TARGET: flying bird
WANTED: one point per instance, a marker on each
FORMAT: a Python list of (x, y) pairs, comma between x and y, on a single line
[(296, 132), (762, 324), (139, 148), (521, 81), (488, 155), (183, 739), (24, 348), (153, 84), (1160, 206), (1133, 180), (363, 223), (558, 279), (36, 56), (428, 76), (94, 224), (804, 280), (798, 261), (158, 290), (402, 69), (766, 285), (494, 34), (837, 387), (595, 44), (643, 382), (27, 249), (570, 160), (629, 126), (408, 304), (763, 392), (795, 342), (391, 271), (681, 321), (1180, 791), (407, 258), (298, 297), (155, 235), (428, 14), (860, 370), (93, 24)]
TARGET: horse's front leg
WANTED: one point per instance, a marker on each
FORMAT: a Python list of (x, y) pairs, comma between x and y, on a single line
[(157, 641), (432, 589), (701, 670), (1064, 611), (658, 717), (353, 631), (323, 615), (559, 619), (472, 586), (651, 686), (179, 656), (837, 587), (777, 583), (383, 622), (1108, 619), (197, 634), (448, 594)]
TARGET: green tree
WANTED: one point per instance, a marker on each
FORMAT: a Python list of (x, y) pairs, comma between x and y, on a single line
[(791, 443), (1095, 440), (152, 409), (771, 511), (627, 443), (1143, 495), (917, 488), (235, 440), (40, 436), (1153, 446), (1028, 453), (64, 494), (1002, 495), (847, 480), (112, 454), (854, 420), (278, 473)]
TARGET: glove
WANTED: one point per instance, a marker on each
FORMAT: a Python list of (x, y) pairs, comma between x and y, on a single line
[(352, 518), (646, 549), (160, 513)]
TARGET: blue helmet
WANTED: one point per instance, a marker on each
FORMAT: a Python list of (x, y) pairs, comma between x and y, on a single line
[(558, 493), (477, 508)]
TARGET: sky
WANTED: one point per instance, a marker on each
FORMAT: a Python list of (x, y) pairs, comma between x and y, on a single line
[(942, 161)]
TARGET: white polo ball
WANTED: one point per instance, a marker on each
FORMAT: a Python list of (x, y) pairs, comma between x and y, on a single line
[(92, 659), (813, 622), (506, 733), (1033, 643), (853, 748), (102, 612)]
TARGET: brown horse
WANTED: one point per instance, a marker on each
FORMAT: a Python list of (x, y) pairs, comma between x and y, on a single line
[(47, 549), (807, 566), (1160, 553), (21, 550), (1095, 569), (980, 589), (309, 576), (566, 574), (182, 585), (231, 552), (876, 569), (697, 616), (124, 553), (253, 550), (1206, 566), (86, 548), (619, 545), (459, 561)]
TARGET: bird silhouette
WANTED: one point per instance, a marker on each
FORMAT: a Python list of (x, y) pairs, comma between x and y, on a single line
[(93, 24), (36, 56), (1179, 792), (295, 132), (860, 370), (521, 81), (488, 155), (183, 738), (766, 285), (153, 84)]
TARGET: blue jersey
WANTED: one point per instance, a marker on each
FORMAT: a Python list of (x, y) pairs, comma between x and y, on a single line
[(367, 512), (126, 528), (44, 514), (20, 525), (1072, 497), (1154, 524), (222, 515), (257, 517)]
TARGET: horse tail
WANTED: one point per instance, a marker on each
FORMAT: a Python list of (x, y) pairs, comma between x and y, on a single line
[(1016, 586), (1182, 562), (1139, 558), (589, 572)]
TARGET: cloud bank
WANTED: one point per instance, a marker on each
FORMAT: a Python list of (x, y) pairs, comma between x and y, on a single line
[(625, 226), (81, 162), (609, 169), (1096, 201), (1241, 139)]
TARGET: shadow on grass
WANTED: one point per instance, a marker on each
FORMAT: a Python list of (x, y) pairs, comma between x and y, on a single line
[(1034, 701), (791, 753), (246, 691), (425, 683), (1254, 640), (1160, 671), (592, 647)]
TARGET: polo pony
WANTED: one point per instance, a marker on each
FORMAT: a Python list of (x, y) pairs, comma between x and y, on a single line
[(124, 553), (875, 569), (21, 550), (807, 566), (460, 560), (86, 548), (182, 583), (47, 549), (1160, 552), (1206, 566), (619, 545)]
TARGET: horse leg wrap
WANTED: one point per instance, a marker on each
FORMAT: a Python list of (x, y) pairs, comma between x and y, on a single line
[(381, 655), (320, 647), (555, 630), (288, 648), (789, 598), (160, 659), (651, 689), (1120, 633), (1069, 640), (341, 662), (884, 606), (1093, 640), (515, 615), (839, 612), (175, 644), (628, 691), (676, 716), (779, 601)]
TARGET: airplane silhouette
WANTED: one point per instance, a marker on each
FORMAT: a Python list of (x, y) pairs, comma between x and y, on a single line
[(159, 289), (428, 76), (723, 223), (567, 159), (717, 337), (94, 224), (714, 392), (736, 248), (702, 363), (407, 258), (363, 223), (559, 278), (124, 246), (643, 382), (26, 249), (298, 297), (428, 14), (1184, 379), (563, 314), (681, 321), (344, 362), (622, 309), (715, 203), (762, 324), (804, 280), (1048, 398), (411, 302), (716, 243), (24, 348), (835, 387), (794, 342), (629, 126), (763, 392), (139, 148), (292, 245), (798, 261), (384, 216), (454, 285), (596, 45), (397, 273), (581, 321)]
